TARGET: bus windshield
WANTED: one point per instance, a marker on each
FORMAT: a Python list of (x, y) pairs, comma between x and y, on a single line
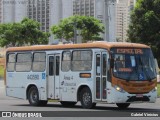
[(133, 64)]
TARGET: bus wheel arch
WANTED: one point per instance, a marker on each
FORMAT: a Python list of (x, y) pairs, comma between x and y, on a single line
[(84, 94), (79, 91), (29, 86), (33, 96)]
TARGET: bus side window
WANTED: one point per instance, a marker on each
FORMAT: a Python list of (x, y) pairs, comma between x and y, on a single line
[(82, 60), (66, 61), (39, 62), (10, 62), (24, 62)]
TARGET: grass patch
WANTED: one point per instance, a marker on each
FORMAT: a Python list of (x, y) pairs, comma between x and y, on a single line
[(1, 71), (158, 89)]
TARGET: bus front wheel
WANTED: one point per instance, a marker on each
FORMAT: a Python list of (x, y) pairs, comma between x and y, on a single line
[(123, 105), (33, 97), (86, 98)]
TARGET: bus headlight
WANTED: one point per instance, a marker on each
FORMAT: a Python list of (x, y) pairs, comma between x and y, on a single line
[(119, 89), (154, 89)]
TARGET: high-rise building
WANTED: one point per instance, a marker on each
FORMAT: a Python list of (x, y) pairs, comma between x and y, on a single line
[(1, 11), (59, 9), (84, 7), (14, 10), (123, 10), (104, 10), (39, 11)]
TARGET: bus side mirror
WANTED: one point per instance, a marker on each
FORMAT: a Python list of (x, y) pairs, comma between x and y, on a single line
[(112, 63)]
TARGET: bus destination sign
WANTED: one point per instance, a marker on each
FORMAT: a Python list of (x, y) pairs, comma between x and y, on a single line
[(130, 51)]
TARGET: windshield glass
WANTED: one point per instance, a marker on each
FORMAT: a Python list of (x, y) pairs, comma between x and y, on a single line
[(133, 63)]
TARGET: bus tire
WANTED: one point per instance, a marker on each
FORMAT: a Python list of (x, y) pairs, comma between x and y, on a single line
[(86, 98), (123, 105), (68, 104), (33, 96)]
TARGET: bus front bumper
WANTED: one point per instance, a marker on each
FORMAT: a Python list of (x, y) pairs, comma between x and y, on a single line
[(125, 97)]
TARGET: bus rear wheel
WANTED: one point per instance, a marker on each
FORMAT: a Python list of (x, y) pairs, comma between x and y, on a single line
[(86, 98), (123, 105), (33, 97)]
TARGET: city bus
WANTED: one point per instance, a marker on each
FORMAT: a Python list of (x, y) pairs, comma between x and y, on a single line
[(89, 73)]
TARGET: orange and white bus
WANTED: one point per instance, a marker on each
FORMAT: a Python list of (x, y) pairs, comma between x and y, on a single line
[(98, 72)]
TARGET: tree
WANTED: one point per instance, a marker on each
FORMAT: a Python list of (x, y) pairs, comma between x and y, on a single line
[(24, 33), (90, 28), (145, 25)]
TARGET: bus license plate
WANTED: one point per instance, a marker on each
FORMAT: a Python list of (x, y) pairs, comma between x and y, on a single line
[(139, 95)]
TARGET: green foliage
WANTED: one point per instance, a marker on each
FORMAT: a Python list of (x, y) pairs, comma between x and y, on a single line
[(158, 89), (25, 32), (1, 72), (89, 27), (145, 25)]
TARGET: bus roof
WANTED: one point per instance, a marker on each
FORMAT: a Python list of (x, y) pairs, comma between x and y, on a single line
[(105, 45)]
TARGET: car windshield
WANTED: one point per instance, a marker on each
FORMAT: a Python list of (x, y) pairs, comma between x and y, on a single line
[(133, 64)]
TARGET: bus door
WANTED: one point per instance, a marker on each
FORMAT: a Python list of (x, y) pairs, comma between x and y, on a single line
[(101, 76), (53, 76)]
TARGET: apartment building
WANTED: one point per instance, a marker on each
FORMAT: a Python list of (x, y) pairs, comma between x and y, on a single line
[(39, 10), (123, 10)]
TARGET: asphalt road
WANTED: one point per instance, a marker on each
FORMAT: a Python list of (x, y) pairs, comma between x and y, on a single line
[(13, 104)]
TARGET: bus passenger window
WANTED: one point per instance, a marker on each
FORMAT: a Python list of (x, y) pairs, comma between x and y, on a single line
[(24, 62), (10, 62), (66, 61), (82, 60), (39, 62)]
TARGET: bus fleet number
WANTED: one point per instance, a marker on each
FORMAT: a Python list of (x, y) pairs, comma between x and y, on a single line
[(33, 77)]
